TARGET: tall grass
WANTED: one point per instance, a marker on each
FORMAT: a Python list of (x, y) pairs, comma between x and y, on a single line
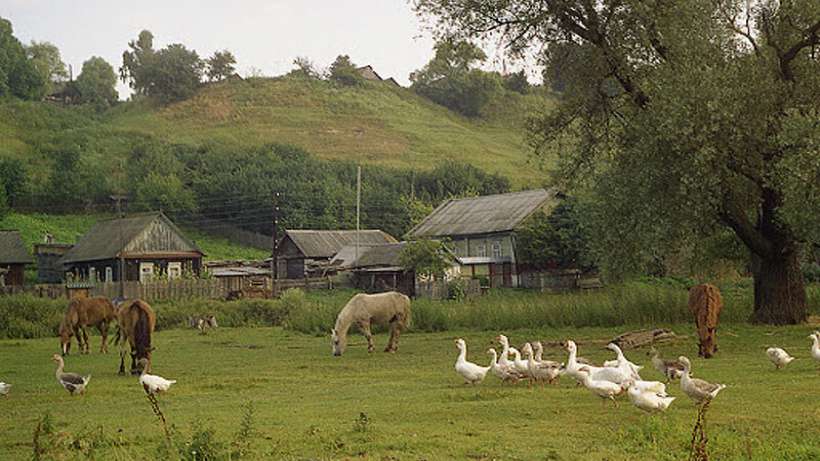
[(647, 303)]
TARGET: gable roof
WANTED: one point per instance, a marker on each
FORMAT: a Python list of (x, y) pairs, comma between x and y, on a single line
[(12, 248), (109, 237), (481, 215), (326, 243)]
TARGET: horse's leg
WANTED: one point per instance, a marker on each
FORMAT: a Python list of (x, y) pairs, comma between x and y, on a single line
[(85, 340), (122, 362), (103, 327), (395, 331), (365, 329), (78, 334)]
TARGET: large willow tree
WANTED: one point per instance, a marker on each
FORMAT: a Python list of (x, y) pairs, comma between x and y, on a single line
[(681, 117)]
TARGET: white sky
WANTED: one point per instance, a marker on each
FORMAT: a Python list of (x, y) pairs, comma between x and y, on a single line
[(265, 35)]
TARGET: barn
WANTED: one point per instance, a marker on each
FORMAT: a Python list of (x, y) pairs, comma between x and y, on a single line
[(13, 258), (308, 252), (482, 232), (149, 243)]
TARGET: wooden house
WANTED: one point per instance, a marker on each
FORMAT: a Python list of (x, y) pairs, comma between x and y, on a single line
[(482, 232), (13, 258), (308, 252), (149, 243)]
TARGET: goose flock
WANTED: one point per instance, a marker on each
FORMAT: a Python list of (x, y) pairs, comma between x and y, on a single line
[(615, 378)]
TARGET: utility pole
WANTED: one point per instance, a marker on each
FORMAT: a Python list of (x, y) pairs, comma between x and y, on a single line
[(274, 262), (121, 214), (358, 206)]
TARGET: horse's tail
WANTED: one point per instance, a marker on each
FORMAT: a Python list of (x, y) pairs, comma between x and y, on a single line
[(142, 331)]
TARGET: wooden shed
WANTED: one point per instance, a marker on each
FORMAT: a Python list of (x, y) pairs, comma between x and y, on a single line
[(308, 252), (13, 258), (150, 244)]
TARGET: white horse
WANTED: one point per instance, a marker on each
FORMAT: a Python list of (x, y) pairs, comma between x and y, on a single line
[(389, 308)]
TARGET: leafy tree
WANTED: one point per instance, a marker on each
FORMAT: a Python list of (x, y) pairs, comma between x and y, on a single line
[(682, 118), (13, 178), (451, 80), (137, 63), (426, 257), (45, 57), (18, 75), (555, 240), (517, 81), (96, 83), (305, 68), (170, 74), (220, 66), (344, 72)]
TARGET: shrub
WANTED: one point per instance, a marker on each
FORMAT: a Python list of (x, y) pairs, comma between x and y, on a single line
[(27, 316)]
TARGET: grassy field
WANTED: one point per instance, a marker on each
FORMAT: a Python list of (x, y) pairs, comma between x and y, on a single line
[(375, 124), (410, 406)]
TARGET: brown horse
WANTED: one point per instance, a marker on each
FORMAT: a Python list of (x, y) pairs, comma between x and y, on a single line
[(136, 322), (705, 304), (81, 313)]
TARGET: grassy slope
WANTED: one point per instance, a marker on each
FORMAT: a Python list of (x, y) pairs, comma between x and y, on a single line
[(374, 124), (306, 401), (69, 228)]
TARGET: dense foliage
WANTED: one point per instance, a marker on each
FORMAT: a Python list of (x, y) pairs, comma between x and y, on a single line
[(679, 120), (18, 74), (426, 257), (95, 84), (342, 71), (555, 240), (220, 65)]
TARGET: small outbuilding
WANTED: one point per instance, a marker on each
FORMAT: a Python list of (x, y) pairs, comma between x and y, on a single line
[(308, 252), (150, 244), (13, 258)]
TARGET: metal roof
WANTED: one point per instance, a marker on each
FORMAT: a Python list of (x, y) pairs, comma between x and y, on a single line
[(109, 237), (12, 248), (481, 215), (316, 244), (380, 255)]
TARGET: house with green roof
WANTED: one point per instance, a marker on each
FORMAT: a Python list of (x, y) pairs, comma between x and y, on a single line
[(149, 244)]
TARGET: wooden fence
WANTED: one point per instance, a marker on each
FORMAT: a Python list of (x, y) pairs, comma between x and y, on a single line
[(440, 289)]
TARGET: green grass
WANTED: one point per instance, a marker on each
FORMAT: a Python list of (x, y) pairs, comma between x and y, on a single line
[(69, 228), (373, 124), (308, 405)]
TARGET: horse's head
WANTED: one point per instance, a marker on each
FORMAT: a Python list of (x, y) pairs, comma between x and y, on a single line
[(65, 338), (339, 343)]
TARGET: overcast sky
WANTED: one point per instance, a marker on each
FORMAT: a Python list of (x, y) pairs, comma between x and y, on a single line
[(263, 34)]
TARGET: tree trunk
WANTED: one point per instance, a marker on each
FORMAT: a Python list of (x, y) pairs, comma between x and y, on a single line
[(780, 296)]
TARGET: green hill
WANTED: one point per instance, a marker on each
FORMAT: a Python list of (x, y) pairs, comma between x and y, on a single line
[(373, 124)]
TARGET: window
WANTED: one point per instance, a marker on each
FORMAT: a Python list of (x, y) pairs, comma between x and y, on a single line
[(109, 274), (146, 271), (174, 270), (482, 250), (497, 249), (92, 274)]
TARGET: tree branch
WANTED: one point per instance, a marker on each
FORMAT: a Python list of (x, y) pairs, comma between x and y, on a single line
[(734, 217), (810, 38)]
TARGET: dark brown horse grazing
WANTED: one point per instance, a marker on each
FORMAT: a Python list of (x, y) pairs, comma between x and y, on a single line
[(136, 322), (81, 313), (705, 304)]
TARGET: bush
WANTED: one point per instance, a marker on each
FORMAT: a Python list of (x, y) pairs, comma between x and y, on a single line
[(27, 316)]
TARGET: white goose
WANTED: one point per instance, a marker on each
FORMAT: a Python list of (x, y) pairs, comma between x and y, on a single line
[(505, 374), (503, 359), (72, 382), (472, 373), (542, 371), (697, 389), (647, 400), (4, 389), (623, 364), (815, 348), (521, 365), (779, 357), (614, 375), (153, 384), (601, 388)]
